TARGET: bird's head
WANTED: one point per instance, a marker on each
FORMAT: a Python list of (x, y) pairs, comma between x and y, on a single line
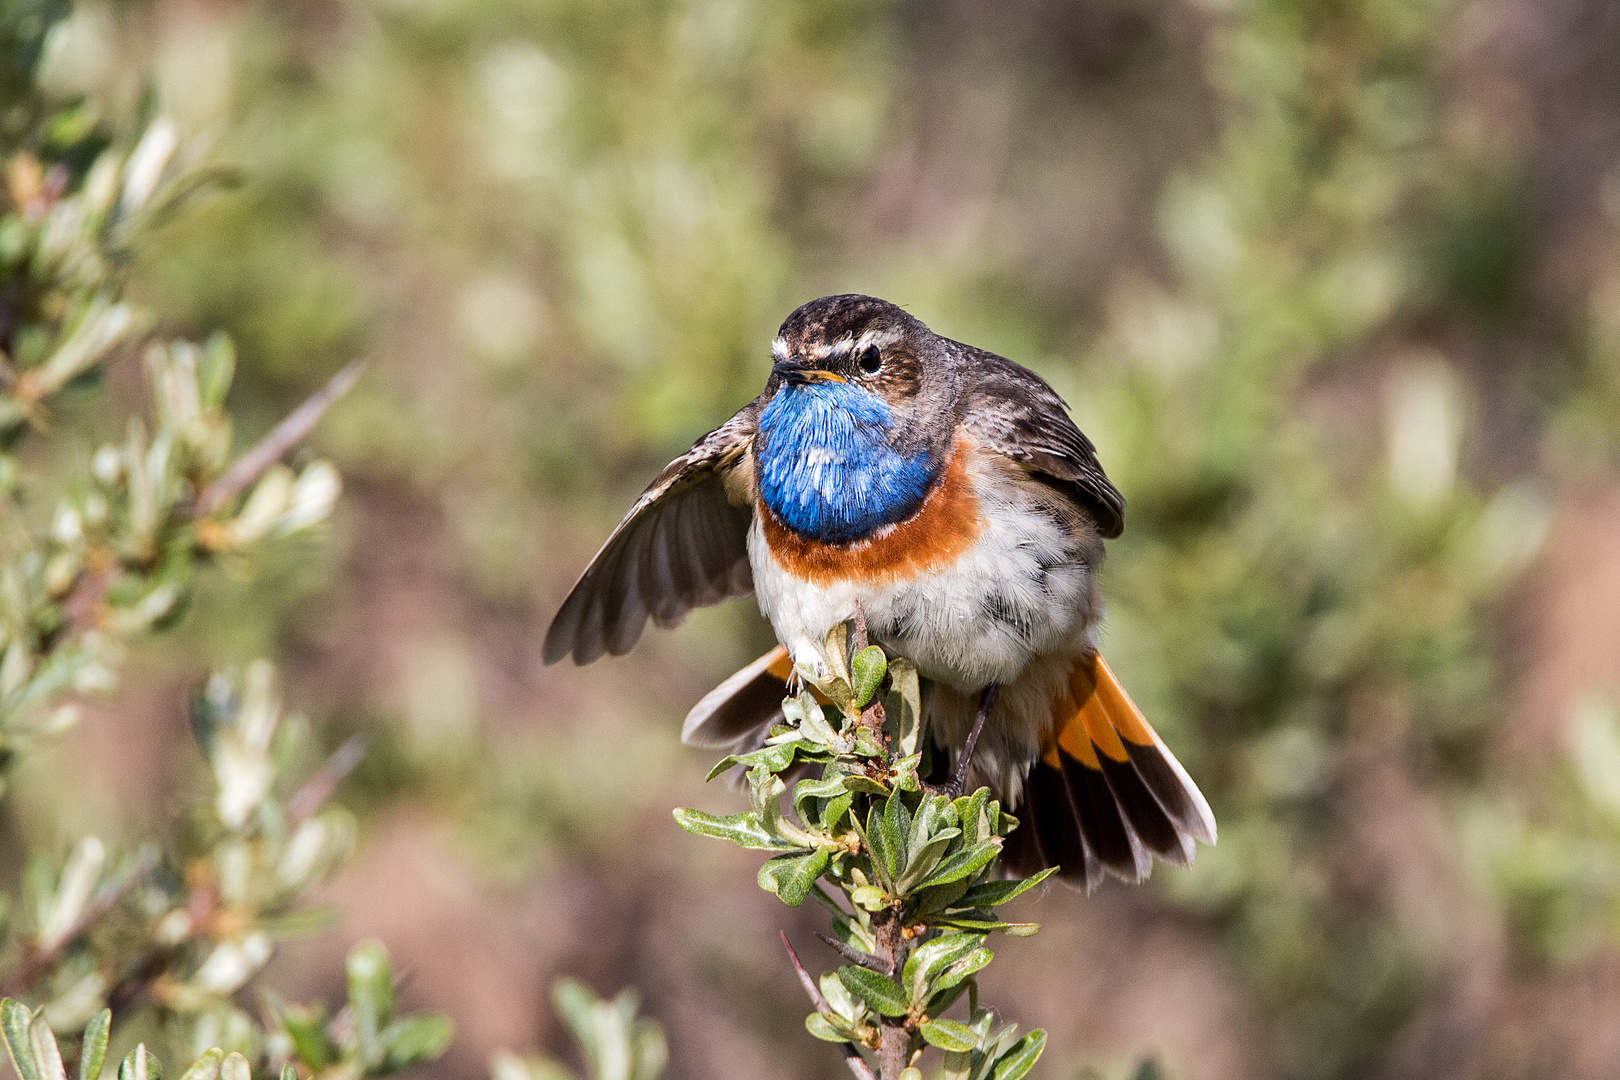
[(870, 347), (859, 417)]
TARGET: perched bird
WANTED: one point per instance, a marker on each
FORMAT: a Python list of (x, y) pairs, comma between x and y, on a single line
[(945, 491)]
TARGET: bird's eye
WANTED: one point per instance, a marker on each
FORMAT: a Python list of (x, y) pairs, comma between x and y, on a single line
[(870, 360)]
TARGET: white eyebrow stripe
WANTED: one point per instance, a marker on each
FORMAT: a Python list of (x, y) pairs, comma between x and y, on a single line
[(882, 338), (822, 351), (779, 349)]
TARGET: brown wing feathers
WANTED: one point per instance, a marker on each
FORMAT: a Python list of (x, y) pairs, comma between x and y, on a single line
[(1106, 795), (1012, 411), (682, 545)]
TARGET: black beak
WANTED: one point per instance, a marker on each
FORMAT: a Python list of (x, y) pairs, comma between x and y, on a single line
[(795, 372)]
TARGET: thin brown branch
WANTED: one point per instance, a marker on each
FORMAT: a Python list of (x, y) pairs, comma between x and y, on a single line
[(852, 1056), (37, 962), (855, 956), (894, 1041), (318, 788), (297, 424)]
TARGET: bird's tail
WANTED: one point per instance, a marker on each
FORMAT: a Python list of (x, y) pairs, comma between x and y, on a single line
[(736, 715), (1106, 794)]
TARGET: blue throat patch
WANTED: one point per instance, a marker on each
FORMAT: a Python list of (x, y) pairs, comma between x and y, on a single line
[(827, 469)]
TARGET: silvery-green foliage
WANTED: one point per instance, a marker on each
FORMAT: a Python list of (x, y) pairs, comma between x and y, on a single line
[(100, 545), (363, 1040), (615, 1043), (193, 919), (864, 827)]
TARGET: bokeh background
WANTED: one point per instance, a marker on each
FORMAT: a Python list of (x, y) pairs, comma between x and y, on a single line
[(1333, 284)]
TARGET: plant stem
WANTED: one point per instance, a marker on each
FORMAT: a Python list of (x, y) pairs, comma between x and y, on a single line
[(895, 1042), (852, 1056), (283, 437)]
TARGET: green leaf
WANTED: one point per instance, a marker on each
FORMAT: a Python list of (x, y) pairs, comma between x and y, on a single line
[(944, 999), (834, 811), (904, 707), (972, 814), (205, 1067), (987, 926), (932, 901), (416, 1039), (234, 1067), (93, 1051), (869, 897), (949, 1035), (790, 876), (816, 729), (47, 1055), (140, 1065), (576, 1004), (867, 670), (742, 829), (961, 969), (765, 797), (829, 1028), (990, 893), (215, 371), (959, 1063), (867, 745), (929, 960), (16, 1022), (880, 844), (371, 998), (827, 786), (861, 784), (964, 863), (723, 765), (306, 1027), (1021, 1057), (835, 650), (838, 996), (925, 859), (288, 1072), (880, 994)]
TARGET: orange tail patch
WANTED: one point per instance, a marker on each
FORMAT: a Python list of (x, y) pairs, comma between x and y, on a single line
[(1107, 794)]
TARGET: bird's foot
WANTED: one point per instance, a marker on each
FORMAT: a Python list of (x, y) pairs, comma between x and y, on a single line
[(952, 788)]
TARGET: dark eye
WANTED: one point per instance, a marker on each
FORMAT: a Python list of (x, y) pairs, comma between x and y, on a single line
[(870, 360)]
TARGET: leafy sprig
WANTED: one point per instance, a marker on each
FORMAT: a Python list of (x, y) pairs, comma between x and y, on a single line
[(915, 867)]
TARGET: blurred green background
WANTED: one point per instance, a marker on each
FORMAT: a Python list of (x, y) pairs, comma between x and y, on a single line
[(1333, 284)]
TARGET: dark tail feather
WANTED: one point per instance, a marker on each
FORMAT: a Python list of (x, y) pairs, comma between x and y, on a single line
[(1107, 795), (741, 710)]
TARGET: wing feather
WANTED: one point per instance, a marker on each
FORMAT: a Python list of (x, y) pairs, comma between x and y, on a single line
[(1012, 411), (684, 544)]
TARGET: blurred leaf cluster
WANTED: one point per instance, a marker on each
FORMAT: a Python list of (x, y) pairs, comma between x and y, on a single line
[(1310, 591), (914, 866), (102, 547), (363, 1040), (615, 1043), (97, 548)]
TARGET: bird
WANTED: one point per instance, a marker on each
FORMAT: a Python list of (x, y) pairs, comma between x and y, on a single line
[(943, 493)]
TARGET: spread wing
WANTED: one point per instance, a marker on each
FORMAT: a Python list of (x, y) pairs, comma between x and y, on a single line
[(684, 544), (1012, 411)]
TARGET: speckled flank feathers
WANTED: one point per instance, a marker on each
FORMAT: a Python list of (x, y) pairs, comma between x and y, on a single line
[(945, 492)]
